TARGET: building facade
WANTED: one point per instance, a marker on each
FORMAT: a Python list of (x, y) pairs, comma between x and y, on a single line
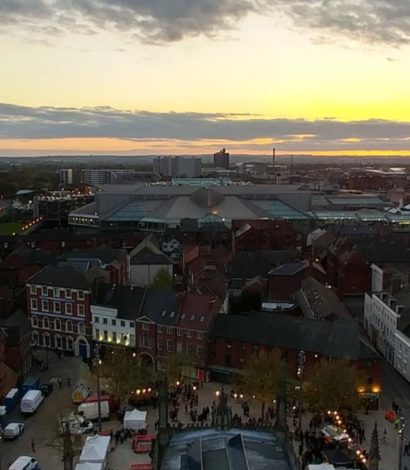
[(183, 167), (58, 304), (221, 159), (381, 316)]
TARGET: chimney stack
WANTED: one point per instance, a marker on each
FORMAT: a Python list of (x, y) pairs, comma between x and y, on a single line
[(273, 160)]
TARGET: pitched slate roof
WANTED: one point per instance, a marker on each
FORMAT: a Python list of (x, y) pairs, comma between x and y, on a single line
[(148, 257), (337, 339), (320, 302), (128, 300), (63, 275), (105, 255), (33, 256), (15, 326), (198, 311), (290, 269), (246, 265), (161, 306)]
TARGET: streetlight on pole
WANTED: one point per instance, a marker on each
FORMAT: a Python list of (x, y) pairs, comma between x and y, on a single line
[(401, 428), (98, 363), (301, 364)]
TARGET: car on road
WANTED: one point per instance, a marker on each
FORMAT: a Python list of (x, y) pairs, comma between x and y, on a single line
[(13, 431), (46, 389), (335, 434), (24, 463), (78, 425)]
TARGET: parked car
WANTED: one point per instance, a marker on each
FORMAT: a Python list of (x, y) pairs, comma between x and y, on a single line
[(46, 389), (90, 410), (78, 424), (31, 401), (333, 433), (24, 463), (13, 431)]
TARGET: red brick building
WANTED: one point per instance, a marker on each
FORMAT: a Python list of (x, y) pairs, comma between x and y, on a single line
[(17, 329), (58, 302), (172, 324), (114, 261), (257, 235), (8, 378), (234, 338), (23, 263), (285, 280)]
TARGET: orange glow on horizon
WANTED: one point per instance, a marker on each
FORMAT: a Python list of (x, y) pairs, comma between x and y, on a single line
[(112, 146)]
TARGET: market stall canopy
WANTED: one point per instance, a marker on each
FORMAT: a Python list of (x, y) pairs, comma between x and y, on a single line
[(135, 420), (95, 449)]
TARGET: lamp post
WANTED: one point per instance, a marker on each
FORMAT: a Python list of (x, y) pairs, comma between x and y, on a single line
[(402, 426), (98, 363), (301, 364)]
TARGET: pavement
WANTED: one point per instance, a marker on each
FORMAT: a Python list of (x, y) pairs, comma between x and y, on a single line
[(42, 427)]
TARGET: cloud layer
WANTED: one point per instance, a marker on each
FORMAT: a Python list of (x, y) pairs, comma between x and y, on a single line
[(163, 21), (20, 122)]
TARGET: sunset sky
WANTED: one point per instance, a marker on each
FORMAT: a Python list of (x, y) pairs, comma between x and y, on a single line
[(190, 76)]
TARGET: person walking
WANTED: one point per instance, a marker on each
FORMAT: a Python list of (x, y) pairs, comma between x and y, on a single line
[(33, 446), (68, 381)]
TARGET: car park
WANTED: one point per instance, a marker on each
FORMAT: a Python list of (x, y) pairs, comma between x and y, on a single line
[(13, 431)]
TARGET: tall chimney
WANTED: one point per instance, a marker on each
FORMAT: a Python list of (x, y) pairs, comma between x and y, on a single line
[(273, 160)]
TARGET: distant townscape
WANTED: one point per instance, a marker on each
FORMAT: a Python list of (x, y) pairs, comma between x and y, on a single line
[(193, 315)]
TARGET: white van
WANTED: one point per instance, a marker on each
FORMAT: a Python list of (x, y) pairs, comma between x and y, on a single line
[(90, 410), (31, 401), (24, 463), (12, 431)]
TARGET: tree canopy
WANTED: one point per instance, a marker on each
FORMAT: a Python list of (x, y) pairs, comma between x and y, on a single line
[(162, 280), (261, 377), (175, 364), (332, 385), (122, 373)]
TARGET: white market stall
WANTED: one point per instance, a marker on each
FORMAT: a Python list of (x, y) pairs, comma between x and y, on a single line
[(135, 420), (89, 466), (321, 466), (95, 449)]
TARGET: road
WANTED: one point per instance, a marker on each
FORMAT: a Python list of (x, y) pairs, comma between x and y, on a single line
[(396, 388), (42, 426)]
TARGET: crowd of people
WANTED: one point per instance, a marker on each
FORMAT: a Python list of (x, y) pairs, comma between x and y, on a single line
[(312, 444)]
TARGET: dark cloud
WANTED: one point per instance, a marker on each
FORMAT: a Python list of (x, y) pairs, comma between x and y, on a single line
[(151, 21), (20, 122), (162, 21), (374, 21)]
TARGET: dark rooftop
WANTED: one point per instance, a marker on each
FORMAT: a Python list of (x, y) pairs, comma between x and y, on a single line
[(105, 255), (336, 339), (64, 276), (247, 265), (161, 306), (126, 299), (146, 256), (320, 302)]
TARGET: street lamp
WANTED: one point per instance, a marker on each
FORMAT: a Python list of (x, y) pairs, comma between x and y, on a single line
[(402, 426), (97, 370), (301, 364)]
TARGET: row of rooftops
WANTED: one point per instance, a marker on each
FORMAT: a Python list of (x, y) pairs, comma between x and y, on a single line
[(168, 308), (335, 339)]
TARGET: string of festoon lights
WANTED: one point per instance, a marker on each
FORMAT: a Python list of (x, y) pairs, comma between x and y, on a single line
[(339, 422)]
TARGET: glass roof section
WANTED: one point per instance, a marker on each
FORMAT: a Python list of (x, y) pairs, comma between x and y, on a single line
[(278, 209)]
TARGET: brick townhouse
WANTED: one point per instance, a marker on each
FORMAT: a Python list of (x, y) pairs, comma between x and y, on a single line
[(234, 338), (58, 303), (177, 324)]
